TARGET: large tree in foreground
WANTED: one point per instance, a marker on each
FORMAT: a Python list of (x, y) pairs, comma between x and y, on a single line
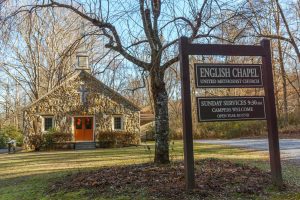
[(146, 33)]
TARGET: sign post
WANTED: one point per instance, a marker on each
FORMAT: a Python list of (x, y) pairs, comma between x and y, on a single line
[(274, 149), (186, 114), (228, 108)]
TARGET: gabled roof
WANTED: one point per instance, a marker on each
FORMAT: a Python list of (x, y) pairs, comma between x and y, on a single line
[(74, 76)]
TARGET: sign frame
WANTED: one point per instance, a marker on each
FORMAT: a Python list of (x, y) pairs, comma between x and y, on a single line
[(230, 66), (263, 50), (231, 97)]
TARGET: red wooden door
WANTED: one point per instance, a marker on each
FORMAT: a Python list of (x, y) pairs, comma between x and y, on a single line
[(83, 127)]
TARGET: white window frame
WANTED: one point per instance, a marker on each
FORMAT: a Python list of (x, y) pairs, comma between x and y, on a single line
[(113, 122), (43, 122), (86, 61)]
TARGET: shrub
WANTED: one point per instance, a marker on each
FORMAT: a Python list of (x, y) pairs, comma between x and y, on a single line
[(36, 141), (3, 140), (228, 129), (147, 132), (116, 138), (47, 140), (150, 134), (60, 137), (10, 132), (54, 137), (175, 128), (175, 134), (293, 120)]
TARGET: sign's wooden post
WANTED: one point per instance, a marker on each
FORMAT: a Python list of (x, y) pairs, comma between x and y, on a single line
[(186, 114), (274, 149)]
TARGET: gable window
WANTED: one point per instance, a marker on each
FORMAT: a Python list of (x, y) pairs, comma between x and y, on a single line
[(82, 61), (118, 123), (48, 123)]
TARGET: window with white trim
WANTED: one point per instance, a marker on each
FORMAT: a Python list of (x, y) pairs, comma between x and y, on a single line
[(48, 123), (82, 61), (117, 123)]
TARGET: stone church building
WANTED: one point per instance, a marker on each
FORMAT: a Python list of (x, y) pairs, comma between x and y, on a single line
[(84, 106)]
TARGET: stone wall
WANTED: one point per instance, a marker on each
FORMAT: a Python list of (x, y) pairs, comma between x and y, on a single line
[(64, 103)]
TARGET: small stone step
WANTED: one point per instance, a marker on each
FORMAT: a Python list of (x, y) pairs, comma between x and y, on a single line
[(85, 145)]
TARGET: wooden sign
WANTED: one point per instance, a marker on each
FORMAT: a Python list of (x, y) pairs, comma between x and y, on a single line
[(228, 75), (230, 108)]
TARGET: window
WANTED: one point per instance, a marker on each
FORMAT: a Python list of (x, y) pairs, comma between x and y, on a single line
[(78, 122), (48, 123), (82, 61), (118, 123), (88, 123)]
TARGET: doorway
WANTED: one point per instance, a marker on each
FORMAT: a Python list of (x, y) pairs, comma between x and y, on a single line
[(83, 127)]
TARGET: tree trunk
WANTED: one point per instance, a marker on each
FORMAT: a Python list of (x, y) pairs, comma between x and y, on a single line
[(160, 100), (275, 83), (282, 69), (283, 74)]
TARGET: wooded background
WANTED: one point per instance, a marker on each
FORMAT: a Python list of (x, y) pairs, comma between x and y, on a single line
[(133, 48)]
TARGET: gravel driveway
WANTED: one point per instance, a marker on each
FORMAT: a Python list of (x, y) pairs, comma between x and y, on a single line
[(289, 148)]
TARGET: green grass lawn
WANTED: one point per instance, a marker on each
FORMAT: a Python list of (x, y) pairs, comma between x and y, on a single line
[(26, 175)]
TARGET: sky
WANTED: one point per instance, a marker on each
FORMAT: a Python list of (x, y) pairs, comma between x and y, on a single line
[(128, 25)]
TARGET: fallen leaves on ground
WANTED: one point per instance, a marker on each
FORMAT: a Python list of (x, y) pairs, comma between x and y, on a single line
[(213, 177)]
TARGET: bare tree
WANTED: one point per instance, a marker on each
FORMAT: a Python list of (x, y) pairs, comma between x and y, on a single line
[(281, 63), (146, 34), (272, 21), (259, 9), (40, 52)]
